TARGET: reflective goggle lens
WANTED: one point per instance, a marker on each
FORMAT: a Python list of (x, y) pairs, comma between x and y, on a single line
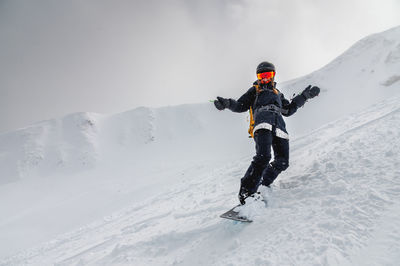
[(266, 75)]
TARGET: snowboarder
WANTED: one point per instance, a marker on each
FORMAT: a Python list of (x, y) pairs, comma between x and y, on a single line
[(267, 105)]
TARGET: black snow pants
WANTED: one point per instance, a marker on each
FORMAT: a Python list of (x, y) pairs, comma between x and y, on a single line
[(260, 170)]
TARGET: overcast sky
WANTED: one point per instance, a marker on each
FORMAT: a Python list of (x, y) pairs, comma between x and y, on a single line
[(59, 57)]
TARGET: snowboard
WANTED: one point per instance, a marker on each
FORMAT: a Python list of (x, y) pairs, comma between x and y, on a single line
[(234, 215)]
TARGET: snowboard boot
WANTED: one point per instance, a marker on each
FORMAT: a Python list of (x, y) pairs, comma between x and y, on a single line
[(243, 195), (250, 182), (252, 197)]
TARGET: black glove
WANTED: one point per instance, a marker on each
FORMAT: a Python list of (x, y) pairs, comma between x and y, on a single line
[(222, 103), (310, 92)]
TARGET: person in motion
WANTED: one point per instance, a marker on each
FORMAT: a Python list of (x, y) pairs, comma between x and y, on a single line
[(267, 105)]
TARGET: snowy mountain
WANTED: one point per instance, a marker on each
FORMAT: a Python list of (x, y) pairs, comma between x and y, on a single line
[(146, 187), (367, 73)]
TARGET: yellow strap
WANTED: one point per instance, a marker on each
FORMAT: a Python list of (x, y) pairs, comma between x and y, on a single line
[(251, 127)]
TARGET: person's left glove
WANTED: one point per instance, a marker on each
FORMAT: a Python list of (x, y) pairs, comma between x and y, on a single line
[(222, 103), (310, 92)]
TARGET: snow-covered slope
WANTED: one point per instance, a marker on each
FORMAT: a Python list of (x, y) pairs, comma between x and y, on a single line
[(146, 186), (61, 174), (337, 204), (367, 73)]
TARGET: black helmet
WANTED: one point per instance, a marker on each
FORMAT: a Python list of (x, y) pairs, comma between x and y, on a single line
[(265, 67)]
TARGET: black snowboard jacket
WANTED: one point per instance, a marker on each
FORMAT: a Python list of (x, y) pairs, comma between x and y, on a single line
[(264, 115)]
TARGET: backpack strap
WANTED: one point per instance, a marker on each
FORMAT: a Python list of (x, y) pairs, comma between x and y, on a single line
[(251, 126)]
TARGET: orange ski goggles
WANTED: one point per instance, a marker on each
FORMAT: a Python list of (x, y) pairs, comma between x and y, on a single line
[(266, 75)]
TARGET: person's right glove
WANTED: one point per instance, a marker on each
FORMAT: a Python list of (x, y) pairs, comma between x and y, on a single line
[(310, 92), (222, 103)]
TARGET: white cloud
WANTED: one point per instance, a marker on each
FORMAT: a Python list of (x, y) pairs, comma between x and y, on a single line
[(109, 56)]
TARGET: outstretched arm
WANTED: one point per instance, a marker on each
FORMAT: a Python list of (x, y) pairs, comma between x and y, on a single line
[(241, 105), (289, 108)]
